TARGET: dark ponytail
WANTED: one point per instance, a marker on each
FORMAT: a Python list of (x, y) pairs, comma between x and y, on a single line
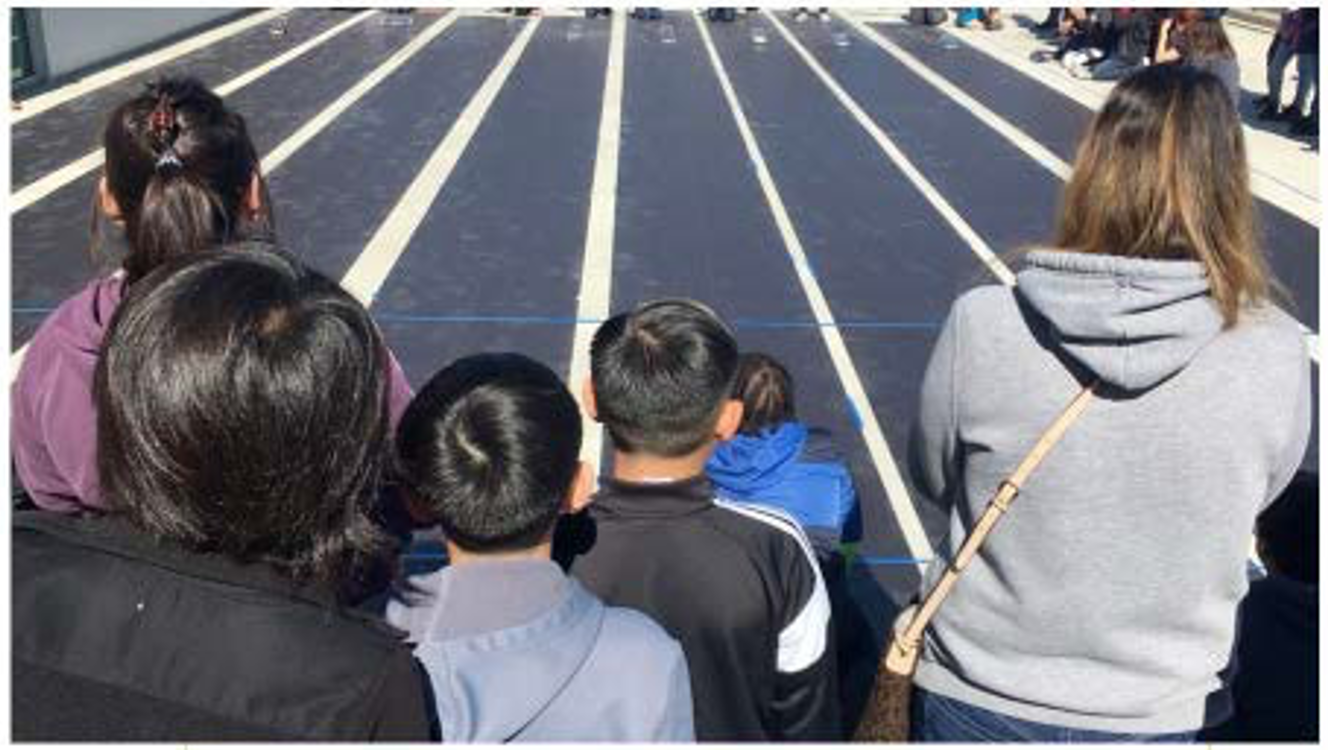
[(179, 165)]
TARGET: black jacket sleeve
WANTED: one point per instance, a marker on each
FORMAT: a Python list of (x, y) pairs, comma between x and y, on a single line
[(806, 702)]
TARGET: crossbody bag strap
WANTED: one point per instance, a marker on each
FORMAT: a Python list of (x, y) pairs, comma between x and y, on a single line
[(999, 505)]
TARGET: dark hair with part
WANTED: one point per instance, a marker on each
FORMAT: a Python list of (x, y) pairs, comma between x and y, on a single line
[(1288, 530), (489, 449), (242, 409), (765, 388), (179, 165), (1162, 174), (661, 374)]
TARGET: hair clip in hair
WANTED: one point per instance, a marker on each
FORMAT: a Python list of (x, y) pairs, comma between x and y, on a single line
[(169, 158)]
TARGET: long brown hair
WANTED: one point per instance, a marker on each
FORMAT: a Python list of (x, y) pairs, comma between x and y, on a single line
[(1162, 174)]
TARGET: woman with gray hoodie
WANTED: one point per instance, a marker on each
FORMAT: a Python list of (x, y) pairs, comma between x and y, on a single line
[(1104, 605)]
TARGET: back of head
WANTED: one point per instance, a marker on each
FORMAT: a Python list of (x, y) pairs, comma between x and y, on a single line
[(1202, 35), (765, 389), (1288, 530), (489, 449), (1162, 174), (242, 410), (661, 374), (179, 165)]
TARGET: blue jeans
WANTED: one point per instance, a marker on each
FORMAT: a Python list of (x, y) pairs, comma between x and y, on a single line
[(940, 719)]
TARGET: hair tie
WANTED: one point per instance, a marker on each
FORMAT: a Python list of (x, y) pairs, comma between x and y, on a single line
[(169, 158)]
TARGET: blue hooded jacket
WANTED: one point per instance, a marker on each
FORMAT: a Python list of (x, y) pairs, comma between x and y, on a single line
[(796, 469)]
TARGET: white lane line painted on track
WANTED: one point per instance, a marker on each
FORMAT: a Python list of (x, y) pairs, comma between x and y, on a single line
[(886, 468), (277, 156), (87, 84), (1035, 151), (297, 140), (35, 191), (380, 255), (1021, 140), (594, 297), (933, 196)]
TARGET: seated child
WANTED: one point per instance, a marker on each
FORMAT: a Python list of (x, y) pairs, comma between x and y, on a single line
[(1276, 689), (777, 460), (514, 648), (182, 176)]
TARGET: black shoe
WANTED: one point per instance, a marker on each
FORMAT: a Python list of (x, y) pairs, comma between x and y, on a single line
[(1268, 111), (1305, 126)]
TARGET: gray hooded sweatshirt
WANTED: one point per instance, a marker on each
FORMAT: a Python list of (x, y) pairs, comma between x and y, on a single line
[(518, 651), (1106, 599)]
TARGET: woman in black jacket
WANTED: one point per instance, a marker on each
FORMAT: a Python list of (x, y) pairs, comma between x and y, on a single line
[(242, 428)]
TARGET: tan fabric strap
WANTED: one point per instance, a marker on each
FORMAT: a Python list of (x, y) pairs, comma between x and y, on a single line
[(999, 505)]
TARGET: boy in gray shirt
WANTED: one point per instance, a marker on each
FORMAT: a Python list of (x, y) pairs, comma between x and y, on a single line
[(514, 648)]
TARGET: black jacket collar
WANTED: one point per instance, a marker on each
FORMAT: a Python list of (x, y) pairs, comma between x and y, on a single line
[(617, 498)]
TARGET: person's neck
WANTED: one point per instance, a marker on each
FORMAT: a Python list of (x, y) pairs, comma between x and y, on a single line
[(644, 468), (541, 551)]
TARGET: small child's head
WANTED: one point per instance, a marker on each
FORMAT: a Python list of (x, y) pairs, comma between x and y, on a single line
[(765, 389), (181, 174), (1288, 530), (488, 450), (662, 379)]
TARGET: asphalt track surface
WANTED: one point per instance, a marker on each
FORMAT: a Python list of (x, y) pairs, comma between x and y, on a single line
[(496, 262)]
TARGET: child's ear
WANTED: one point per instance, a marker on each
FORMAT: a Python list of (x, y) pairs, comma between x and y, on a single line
[(109, 207), (730, 419), (578, 495), (588, 399), (253, 195)]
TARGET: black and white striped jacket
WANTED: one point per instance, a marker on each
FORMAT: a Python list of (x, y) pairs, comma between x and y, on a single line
[(737, 584)]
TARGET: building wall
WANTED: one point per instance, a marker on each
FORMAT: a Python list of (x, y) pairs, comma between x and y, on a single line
[(74, 38)]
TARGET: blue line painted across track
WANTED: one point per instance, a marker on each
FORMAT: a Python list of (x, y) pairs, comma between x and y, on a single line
[(572, 320)]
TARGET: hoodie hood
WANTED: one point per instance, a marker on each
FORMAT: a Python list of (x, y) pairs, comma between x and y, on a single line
[(500, 641), (750, 464), (1132, 322)]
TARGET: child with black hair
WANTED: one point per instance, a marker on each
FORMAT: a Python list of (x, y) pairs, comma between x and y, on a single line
[(515, 649), (738, 584), (777, 460), (181, 176), (1276, 690)]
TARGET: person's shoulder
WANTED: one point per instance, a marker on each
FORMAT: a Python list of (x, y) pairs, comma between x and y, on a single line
[(764, 526), (1268, 333), (983, 299), (634, 631), (410, 604), (79, 322)]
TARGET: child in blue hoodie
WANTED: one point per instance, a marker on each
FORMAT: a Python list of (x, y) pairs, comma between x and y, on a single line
[(777, 460)]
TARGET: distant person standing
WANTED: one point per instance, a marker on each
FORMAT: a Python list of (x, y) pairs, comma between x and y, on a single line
[(1303, 115), (1280, 52)]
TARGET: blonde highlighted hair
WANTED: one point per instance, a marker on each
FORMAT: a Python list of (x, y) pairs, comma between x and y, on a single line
[(1162, 174)]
